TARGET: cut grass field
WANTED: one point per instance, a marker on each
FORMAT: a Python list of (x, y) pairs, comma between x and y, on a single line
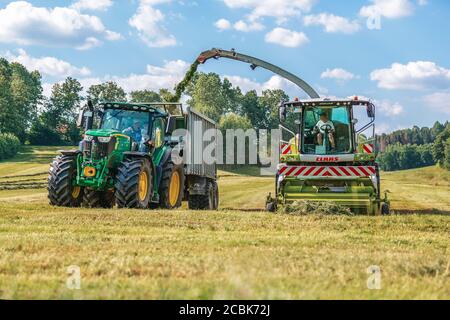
[(239, 252)]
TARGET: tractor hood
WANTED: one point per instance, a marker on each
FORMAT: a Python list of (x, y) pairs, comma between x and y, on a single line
[(102, 132)]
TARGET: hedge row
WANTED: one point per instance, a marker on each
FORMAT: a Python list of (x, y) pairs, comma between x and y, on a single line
[(9, 145)]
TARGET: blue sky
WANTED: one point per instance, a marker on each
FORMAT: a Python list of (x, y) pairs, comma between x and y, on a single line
[(392, 51)]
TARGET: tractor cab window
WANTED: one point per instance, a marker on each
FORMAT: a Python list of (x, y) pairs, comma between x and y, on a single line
[(326, 130), (135, 124)]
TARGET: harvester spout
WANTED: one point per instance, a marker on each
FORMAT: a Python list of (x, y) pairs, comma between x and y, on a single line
[(254, 63)]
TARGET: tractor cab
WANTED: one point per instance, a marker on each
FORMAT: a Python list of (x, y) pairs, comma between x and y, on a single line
[(326, 130)]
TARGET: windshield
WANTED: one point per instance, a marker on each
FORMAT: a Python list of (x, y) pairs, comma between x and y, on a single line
[(326, 130), (133, 123)]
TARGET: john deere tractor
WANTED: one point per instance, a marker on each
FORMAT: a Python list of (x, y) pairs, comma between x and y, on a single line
[(133, 160), (327, 154)]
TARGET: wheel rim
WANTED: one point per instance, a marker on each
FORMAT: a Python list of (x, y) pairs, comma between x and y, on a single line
[(174, 189), (143, 185), (76, 192)]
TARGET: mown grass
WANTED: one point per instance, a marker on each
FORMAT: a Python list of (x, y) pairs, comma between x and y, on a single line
[(230, 254)]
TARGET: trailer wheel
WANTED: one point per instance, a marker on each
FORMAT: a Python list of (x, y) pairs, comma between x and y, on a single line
[(61, 191), (203, 202), (216, 196), (171, 190), (98, 199), (134, 184)]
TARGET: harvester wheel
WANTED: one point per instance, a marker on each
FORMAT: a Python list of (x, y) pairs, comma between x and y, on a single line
[(98, 199), (61, 191), (171, 190), (271, 207), (385, 209), (134, 184), (204, 202)]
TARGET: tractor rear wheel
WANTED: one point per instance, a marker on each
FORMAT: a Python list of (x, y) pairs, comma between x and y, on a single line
[(209, 201), (61, 191), (171, 190), (134, 185), (98, 199)]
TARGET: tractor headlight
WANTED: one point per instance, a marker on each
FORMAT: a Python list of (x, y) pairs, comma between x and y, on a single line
[(88, 138), (104, 139)]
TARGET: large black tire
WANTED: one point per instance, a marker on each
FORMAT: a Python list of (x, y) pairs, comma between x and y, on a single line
[(61, 191), (172, 175), (130, 188), (204, 202), (216, 196), (98, 199)]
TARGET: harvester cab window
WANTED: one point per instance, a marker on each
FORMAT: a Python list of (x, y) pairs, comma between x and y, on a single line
[(326, 130)]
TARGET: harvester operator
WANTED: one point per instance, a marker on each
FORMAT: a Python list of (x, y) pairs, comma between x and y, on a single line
[(319, 129)]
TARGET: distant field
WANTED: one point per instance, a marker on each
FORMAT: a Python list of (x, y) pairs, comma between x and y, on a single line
[(239, 252)]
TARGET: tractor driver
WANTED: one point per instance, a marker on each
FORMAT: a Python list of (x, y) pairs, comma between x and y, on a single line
[(320, 130), (134, 132)]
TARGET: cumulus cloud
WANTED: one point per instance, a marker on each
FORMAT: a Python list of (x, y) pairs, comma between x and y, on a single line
[(389, 108), (412, 76), (222, 24), (280, 9), (241, 25), (338, 74), (149, 22), (24, 24), (390, 9), (248, 26), (100, 5), (49, 66), (332, 23), (439, 101), (155, 78), (286, 38), (275, 82)]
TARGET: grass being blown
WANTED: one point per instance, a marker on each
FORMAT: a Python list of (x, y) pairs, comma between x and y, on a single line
[(302, 208)]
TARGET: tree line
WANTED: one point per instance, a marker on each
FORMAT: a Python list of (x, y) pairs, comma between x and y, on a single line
[(415, 148)]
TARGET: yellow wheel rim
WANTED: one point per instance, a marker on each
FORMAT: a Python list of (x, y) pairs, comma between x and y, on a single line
[(143, 185), (174, 189), (76, 192)]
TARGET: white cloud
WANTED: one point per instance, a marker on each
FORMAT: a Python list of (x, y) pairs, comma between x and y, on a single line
[(155, 78), (412, 76), (100, 5), (248, 26), (338, 74), (24, 24), (222, 24), (389, 108), (47, 65), (280, 9), (439, 101), (332, 23), (149, 22), (275, 82), (390, 9), (286, 37)]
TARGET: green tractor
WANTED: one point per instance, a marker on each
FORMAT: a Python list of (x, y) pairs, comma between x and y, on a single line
[(135, 159), (328, 155)]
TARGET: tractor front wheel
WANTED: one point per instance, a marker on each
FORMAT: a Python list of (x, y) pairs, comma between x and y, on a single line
[(98, 199), (61, 191), (134, 184)]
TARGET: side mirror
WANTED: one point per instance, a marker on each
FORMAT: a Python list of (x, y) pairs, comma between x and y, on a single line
[(171, 125), (371, 111), (81, 116), (282, 113), (354, 121)]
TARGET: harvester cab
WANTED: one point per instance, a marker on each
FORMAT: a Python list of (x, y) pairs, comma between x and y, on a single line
[(134, 159), (327, 153)]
